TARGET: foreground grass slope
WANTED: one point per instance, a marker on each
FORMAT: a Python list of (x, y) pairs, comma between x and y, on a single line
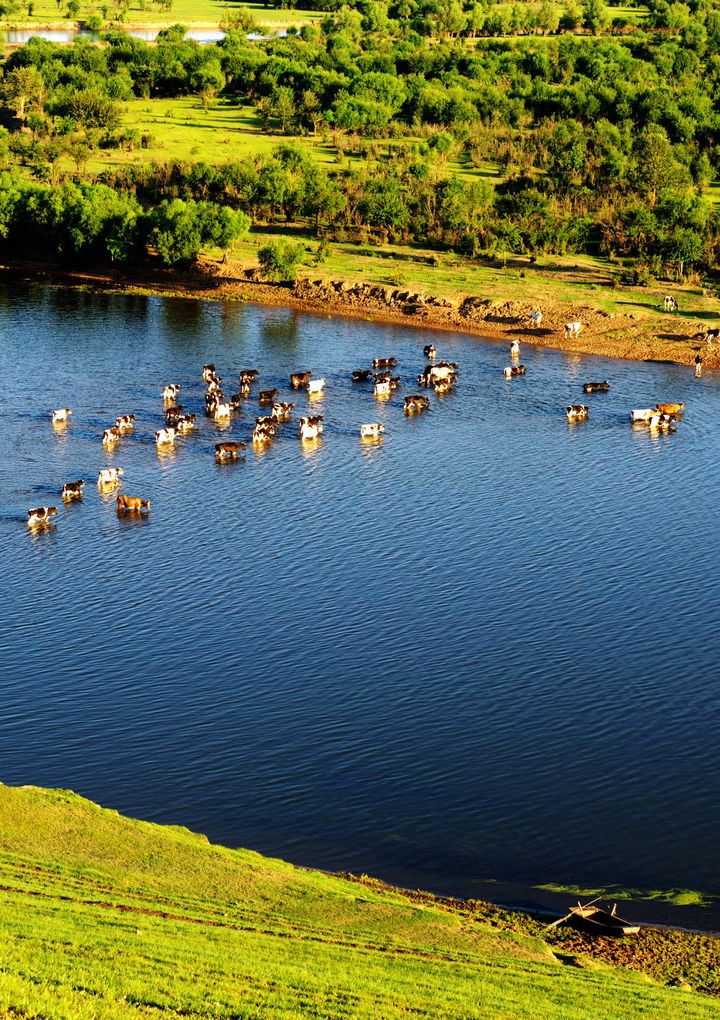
[(106, 917)]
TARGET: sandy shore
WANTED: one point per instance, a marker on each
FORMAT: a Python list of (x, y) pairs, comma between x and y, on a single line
[(661, 338)]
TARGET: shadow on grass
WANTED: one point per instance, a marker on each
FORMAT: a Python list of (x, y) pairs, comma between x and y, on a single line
[(395, 256), (679, 315)]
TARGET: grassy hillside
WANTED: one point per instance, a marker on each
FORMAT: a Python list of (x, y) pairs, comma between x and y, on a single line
[(106, 917)]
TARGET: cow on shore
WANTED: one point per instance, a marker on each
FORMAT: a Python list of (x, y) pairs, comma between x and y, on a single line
[(574, 329)]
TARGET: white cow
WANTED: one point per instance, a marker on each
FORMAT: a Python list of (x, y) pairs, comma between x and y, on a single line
[(61, 415), (536, 316), (573, 330), (577, 412), (373, 430), (669, 303), (111, 436), (315, 387), (642, 414), (165, 437), (109, 476), (310, 429)]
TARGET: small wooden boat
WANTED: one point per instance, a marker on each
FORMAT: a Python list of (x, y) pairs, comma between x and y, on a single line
[(603, 922)]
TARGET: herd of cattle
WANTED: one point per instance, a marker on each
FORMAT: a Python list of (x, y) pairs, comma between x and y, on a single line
[(441, 376)]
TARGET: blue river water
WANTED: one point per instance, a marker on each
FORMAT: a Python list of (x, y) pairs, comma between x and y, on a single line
[(485, 648)]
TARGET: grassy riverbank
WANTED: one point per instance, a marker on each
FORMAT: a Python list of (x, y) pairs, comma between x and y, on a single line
[(490, 298), (106, 917)]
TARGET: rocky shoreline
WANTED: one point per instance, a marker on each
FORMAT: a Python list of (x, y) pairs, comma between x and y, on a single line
[(665, 338)]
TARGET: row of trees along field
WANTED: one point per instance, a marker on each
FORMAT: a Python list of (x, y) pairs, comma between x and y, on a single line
[(604, 142)]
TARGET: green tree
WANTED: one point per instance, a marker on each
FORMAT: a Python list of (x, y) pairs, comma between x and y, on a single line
[(22, 87), (94, 109), (280, 261), (684, 248), (656, 167), (178, 229), (596, 15), (567, 153), (175, 231), (208, 80), (284, 108)]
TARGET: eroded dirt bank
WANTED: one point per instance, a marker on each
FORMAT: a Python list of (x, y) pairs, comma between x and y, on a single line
[(658, 338)]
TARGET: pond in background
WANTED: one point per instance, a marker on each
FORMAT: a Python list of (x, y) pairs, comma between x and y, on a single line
[(484, 648)]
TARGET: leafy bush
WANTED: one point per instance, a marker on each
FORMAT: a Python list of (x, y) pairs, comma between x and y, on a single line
[(280, 261)]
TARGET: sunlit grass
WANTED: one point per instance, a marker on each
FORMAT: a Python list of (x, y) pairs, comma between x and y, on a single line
[(187, 12), (106, 917)]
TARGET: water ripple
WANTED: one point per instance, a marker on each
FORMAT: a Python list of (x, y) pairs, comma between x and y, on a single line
[(473, 648)]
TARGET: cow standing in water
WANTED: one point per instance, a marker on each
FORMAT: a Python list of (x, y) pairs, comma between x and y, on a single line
[(72, 491), (132, 505), (40, 515)]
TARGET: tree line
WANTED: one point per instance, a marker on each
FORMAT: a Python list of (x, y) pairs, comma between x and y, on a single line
[(603, 144), (90, 223)]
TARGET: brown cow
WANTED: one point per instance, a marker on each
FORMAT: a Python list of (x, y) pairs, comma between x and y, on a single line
[(228, 451), (298, 380), (268, 396), (384, 362), (670, 408), (132, 505), (173, 414)]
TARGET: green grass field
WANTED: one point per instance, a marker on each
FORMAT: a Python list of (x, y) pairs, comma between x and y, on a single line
[(106, 917), (187, 12), (181, 129)]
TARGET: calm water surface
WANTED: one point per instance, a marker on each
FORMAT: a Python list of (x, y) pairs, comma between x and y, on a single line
[(486, 648)]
